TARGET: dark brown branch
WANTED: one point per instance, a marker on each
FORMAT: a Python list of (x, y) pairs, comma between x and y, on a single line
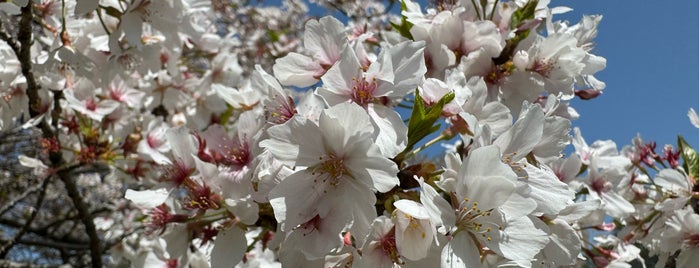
[(9, 40), (85, 217), (24, 36), (52, 244)]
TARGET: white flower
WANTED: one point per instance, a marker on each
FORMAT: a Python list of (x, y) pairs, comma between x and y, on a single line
[(682, 234), (414, 229), (605, 151), (558, 60), (324, 38), (490, 213), (676, 189), (341, 163), (398, 70)]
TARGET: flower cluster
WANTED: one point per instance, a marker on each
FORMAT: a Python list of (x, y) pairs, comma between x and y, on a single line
[(254, 136)]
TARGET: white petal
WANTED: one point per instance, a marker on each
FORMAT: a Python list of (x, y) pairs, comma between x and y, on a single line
[(412, 208), (244, 209), (147, 198), (85, 6), (693, 117), (550, 194), (524, 135), (483, 178), (439, 209), (392, 134), (673, 181), (229, 247), (565, 244), (297, 70), (577, 211), (520, 240), (461, 251)]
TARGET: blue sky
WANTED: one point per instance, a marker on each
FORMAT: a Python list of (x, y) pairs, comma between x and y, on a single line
[(652, 74)]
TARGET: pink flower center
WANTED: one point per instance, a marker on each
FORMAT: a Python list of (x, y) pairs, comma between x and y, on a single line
[(116, 93), (363, 91), (542, 68), (282, 111), (311, 225), (90, 104), (235, 154), (599, 185), (691, 240), (389, 247)]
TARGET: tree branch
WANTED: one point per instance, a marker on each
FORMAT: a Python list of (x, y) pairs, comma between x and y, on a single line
[(52, 244), (24, 36), (8, 39), (85, 217)]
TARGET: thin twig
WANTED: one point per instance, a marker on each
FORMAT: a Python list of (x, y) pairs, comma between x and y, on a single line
[(9, 40), (14, 202), (39, 201)]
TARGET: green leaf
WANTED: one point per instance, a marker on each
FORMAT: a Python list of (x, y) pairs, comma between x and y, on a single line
[(422, 121), (518, 17), (690, 157), (523, 14), (404, 27)]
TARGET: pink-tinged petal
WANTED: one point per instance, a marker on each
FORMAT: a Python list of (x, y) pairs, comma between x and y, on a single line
[(297, 70), (339, 81), (325, 38), (146, 150)]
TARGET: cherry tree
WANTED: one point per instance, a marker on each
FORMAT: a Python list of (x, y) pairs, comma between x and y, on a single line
[(192, 133)]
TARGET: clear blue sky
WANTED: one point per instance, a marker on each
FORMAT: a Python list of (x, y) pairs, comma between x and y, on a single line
[(652, 74)]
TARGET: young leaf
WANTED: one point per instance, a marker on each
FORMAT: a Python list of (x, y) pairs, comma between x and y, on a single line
[(422, 121), (690, 157), (404, 27)]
